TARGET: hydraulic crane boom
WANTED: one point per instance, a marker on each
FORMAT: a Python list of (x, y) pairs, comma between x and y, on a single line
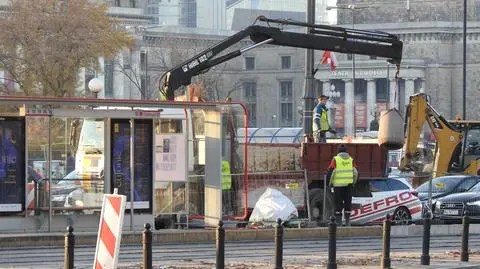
[(320, 37)]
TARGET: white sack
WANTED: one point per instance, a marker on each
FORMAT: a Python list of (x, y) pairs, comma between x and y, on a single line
[(273, 205)]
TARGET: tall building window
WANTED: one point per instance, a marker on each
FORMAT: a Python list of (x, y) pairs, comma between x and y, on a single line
[(350, 57), (252, 114), (249, 63), (250, 90), (286, 91), (286, 103), (286, 114), (286, 62), (250, 99)]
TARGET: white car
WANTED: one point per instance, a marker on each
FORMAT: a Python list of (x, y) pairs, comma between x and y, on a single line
[(394, 196)]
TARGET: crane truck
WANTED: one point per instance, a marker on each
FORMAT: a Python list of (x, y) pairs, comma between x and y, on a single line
[(314, 156)]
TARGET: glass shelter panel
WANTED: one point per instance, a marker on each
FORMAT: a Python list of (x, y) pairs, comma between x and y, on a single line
[(79, 187), (121, 174)]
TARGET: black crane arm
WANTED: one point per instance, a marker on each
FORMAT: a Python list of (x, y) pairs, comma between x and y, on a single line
[(320, 37)]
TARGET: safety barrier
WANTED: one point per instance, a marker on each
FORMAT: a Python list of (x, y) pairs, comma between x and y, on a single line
[(385, 262)]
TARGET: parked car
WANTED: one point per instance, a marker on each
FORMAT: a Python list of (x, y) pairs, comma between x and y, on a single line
[(443, 186), (393, 196), (451, 208), (78, 189)]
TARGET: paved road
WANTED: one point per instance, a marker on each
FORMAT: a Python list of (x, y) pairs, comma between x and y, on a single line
[(52, 257)]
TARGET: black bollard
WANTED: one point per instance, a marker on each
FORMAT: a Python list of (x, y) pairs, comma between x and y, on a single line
[(69, 248), (387, 224), (465, 232), (147, 246), (332, 244), (279, 245), (220, 264), (425, 258)]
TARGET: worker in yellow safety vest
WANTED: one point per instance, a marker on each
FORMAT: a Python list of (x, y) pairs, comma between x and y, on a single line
[(226, 177), (342, 175), (227, 195), (320, 125)]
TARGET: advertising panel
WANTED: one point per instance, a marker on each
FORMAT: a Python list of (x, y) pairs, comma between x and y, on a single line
[(143, 179), (170, 157), (12, 164)]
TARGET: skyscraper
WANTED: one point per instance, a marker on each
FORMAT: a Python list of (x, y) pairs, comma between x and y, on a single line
[(188, 13), (286, 6), (211, 14), (166, 12)]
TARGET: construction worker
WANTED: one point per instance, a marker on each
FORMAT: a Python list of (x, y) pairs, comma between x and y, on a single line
[(342, 175), (226, 187), (320, 125)]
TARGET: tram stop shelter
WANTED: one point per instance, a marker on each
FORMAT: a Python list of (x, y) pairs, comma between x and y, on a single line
[(60, 155)]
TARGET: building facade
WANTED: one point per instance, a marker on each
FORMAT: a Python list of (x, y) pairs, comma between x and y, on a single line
[(270, 80), (432, 58)]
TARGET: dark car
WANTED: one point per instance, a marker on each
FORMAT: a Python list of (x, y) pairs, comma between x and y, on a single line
[(452, 207), (443, 186)]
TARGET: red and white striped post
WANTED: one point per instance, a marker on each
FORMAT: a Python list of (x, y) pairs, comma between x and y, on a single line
[(31, 198), (110, 231)]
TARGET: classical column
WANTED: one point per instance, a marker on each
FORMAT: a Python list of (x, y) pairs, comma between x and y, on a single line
[(409, 89), (371, 101), (393, 98), (349, 108)]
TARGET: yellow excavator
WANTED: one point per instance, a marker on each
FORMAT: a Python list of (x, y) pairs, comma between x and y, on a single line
[(457, 149)]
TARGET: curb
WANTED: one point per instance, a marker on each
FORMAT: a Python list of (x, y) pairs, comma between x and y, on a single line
[(185, 236), (203, 236)]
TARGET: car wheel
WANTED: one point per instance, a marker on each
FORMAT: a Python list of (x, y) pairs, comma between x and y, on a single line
[(401, 216)]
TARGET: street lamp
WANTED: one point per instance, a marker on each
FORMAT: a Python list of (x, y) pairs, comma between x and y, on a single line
[(95, 85), (274, 120)]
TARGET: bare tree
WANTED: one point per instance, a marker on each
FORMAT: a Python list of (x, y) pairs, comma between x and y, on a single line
[(165, 57), (45, 43)]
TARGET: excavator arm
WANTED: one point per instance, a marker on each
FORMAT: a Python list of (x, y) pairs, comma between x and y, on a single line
[(448, 138), (319, 37)]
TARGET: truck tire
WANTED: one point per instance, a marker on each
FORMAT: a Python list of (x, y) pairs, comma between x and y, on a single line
[(316, 204)]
